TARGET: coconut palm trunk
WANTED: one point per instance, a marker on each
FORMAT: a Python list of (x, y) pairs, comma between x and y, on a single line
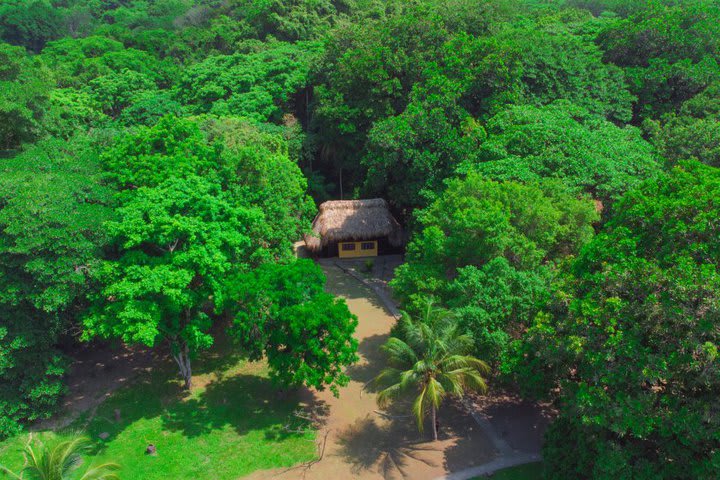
[(433, 413), (431, 360)]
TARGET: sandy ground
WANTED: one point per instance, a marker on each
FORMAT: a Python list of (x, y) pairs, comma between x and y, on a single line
[(355, 440), (520, 423)]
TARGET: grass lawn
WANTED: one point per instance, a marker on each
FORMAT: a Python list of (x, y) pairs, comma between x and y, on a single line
[(231, 424), (530, 471)]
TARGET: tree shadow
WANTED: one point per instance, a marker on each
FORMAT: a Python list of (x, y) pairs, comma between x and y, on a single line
[(146, 398), (365, 372), (521, 423), (472, 446), (243, 402), (344, 285), (219, 358), (387, 447)]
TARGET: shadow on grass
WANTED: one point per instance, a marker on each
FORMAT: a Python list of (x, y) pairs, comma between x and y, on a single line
[(242, 402)]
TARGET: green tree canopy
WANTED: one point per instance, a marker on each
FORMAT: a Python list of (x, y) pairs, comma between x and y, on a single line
[(52, 206), (194, 210), (555, 64), (258, 84), (24, 85), (565, 142), (366, 74), (693, 132), (305, 333), (631, 340), (670, 52), (410, 155), (30, 24), (487, 248)]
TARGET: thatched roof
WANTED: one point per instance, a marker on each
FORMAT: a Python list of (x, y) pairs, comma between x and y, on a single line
[(353, 220)]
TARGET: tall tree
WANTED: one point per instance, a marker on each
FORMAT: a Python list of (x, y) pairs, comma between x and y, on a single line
[(430, 360), (488, 250), (196, 212), (305, 333), (631, 343), (52, 207), (177, 242), (365, 75), (410, 155)]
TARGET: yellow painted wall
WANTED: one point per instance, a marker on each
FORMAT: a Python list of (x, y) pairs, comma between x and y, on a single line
[(357, 250)]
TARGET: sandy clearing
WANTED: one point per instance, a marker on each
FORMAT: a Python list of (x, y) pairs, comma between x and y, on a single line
[(359, 442)]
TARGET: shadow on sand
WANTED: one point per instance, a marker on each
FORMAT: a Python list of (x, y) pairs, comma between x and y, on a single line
[(388, 447)]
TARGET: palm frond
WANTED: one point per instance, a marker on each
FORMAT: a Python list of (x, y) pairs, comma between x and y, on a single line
[(459, 344), (432, 358), (6, 471), (59, 462), (465, 361), (399, 353), (410, 379), (388, 376), (435, 392), (67, 455), (419, 409), (106, 471), (387, 395), (473, 381), (452, 383)]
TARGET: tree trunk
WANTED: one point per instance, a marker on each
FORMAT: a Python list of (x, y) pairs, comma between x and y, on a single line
[(434, 422), (341, 186), (182, 358)]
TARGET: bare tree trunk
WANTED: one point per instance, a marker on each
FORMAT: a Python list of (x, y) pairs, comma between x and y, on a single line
[(182, 358), (341, 186), (434, 422)]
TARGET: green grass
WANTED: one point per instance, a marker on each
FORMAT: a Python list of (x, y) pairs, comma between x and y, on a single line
[(230, 425), (530, 471)]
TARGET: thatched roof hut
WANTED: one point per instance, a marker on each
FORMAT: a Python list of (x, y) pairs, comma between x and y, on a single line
[(353, 220)]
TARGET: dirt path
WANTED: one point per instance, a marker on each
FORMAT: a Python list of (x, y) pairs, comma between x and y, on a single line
[(361, 443), (93, 376)]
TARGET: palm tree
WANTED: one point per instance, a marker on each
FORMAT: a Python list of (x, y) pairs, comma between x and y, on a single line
[(432, 361), (60, 462)]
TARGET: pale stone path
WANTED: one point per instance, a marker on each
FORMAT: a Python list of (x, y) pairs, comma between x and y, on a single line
[(361, 443)]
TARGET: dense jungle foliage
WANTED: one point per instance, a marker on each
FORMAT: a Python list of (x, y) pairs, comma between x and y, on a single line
[(555, 163)]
